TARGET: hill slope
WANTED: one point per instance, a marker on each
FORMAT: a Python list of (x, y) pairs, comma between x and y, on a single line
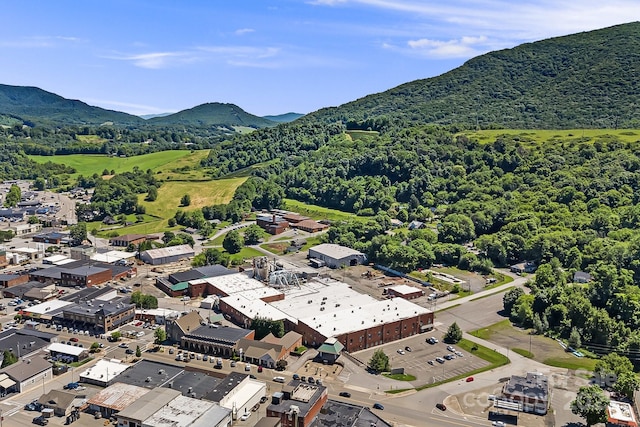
[(213, 114), (581, 80), (284, 118), (39, 106)]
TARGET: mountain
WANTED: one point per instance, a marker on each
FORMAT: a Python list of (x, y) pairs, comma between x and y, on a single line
[(284, 118), (587, 79), (213, 114), (35, 105)]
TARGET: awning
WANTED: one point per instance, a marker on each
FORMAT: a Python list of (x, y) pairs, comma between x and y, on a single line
[(6, 383)]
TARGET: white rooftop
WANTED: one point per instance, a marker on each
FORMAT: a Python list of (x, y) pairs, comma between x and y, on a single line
[(404, 289), (353, 318), (53, 258), (169, 251), (47, 306), (66, 349), (180, 412), (213, 417), (621, 411), (239, 396), (233, 283), (335, 251), (158, 312), (64, 261), (26, 250), (105, 370), (252, 308), (112, 256)]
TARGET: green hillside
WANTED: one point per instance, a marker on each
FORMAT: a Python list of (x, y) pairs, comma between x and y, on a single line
[(284, 118), (39, 106), (213, 114), (581, 80)]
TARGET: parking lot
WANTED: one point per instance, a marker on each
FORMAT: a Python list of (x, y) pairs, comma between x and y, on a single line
[(416, 361)]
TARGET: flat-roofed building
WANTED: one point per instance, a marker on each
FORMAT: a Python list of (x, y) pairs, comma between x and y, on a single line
[(179, 412), (299, 404), (621, 414), (336, 256), (115, 398), (167, 255), (136, 413), (77, 353), (216, 416), (9, 280), (531, 391), (238, 392), (18, 291), (24, 342), (129, 239), (238, 283), (103, 372), (404, 291), (211, 339)]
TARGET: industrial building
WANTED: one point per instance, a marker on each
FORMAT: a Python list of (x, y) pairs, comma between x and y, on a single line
[(271, 223), (335, 256), (186, 282), (115, 398), (403, 291), (167, 255)]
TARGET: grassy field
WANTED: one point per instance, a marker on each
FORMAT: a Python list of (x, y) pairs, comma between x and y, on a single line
[(88, 164), (543, 349), (318, 212), (567, 135)]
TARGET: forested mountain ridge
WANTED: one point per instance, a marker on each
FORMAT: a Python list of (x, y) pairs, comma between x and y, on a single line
[(213, 114), (34, 105), (581, 80)]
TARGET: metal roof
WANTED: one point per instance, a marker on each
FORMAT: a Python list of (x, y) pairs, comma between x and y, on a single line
[(118, 396)]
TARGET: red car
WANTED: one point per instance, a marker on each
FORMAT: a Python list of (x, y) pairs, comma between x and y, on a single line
[(74, 339), (469, 379)]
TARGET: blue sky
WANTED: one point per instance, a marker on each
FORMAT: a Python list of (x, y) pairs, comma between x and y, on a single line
[(266, 56)]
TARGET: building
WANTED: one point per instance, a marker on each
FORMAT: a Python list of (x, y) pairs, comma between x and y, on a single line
[(177, 328), (104, 315), (18, 291), (336, 256), (269, 422), (24, 229), (28, 373), (61, 402), (53, 238), (620, 414), (129, 239), (298, 405), (531, 391), (156, 316), (3, 258), (167, 255), (217, 416), (238, 392), (24, 342), (178, 284), (82, 273), (82, 252), (330, 350), (145, 406), (211, 339), (403, 291), (9, 280), (310, 226), (115, 398), (271, 349), (76, 353), (581, 277), (523, 267), (239, 284), (294, 218), (343, 414), (271, 223), (181, 411), (104, 372)]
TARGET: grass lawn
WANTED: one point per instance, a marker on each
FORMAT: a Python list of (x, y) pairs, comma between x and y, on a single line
[(496, 328), (523, 352), (535, 137), (246, 253), (400, 377), (318, 212), (571, 362), (88, 164)]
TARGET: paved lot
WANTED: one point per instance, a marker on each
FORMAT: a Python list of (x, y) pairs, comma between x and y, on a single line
[(416, 363)]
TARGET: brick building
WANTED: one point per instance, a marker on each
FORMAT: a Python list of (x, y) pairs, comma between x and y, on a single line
[(272, 224), (298, 405)]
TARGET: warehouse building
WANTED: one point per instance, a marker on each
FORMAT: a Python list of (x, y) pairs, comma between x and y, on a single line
[(211, 339), (167, 255), (335, 256), (403, 291)]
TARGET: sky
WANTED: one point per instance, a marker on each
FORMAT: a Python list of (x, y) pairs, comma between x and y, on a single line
[(266, 56)]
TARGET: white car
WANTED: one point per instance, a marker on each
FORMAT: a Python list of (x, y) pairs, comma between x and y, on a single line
[(245, 417), (498, 424), (400, 351)]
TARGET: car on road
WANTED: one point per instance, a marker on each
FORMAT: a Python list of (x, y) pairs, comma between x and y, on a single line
[(129, 351), (263, 399), (407, 348), (233, 363), (73, 339), (171, 351), (432, 340), (345, 394), (123, 345), (40, 420), (400, 351), (498, 424), (245, 417), (279, 379), (441, 406), (378, 406), (469, 379)]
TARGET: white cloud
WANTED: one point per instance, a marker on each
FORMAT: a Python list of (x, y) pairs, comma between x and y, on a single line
[(457, 48), (243, 31), (157, 60), (40, 42), (131, 108)]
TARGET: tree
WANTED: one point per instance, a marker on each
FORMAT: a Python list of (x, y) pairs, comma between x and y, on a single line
[(510, 298), (574, 338), (613, 364), (95, 347), (264, 327), (115, 336), (8, 358), (185, 200), (13, 197), (138, 351), (253, 234), (379, 362), (591, 404), (627, 383), (454, 334), (144, 301), (281, 365), (210, 256), (78, 233), (152, 194), (40, 184), (161, 336), (233, 242)]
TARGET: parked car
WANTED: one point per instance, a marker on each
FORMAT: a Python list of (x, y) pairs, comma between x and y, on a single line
[(441, 406), (432, 340), (430, 362), (279, 379), (450, 348), (263, 399), (400, 351), (310, 380), (259, 369), (245, 417), (73, 339), (129, 351), (296, 377), (469, 379), (439, 360), (498, 424), (40, 420), (123, 345), (378, 406), (407, 348), (233, 363), (345, 394)]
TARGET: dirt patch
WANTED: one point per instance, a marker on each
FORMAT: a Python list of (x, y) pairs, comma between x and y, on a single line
[(319, 370)]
